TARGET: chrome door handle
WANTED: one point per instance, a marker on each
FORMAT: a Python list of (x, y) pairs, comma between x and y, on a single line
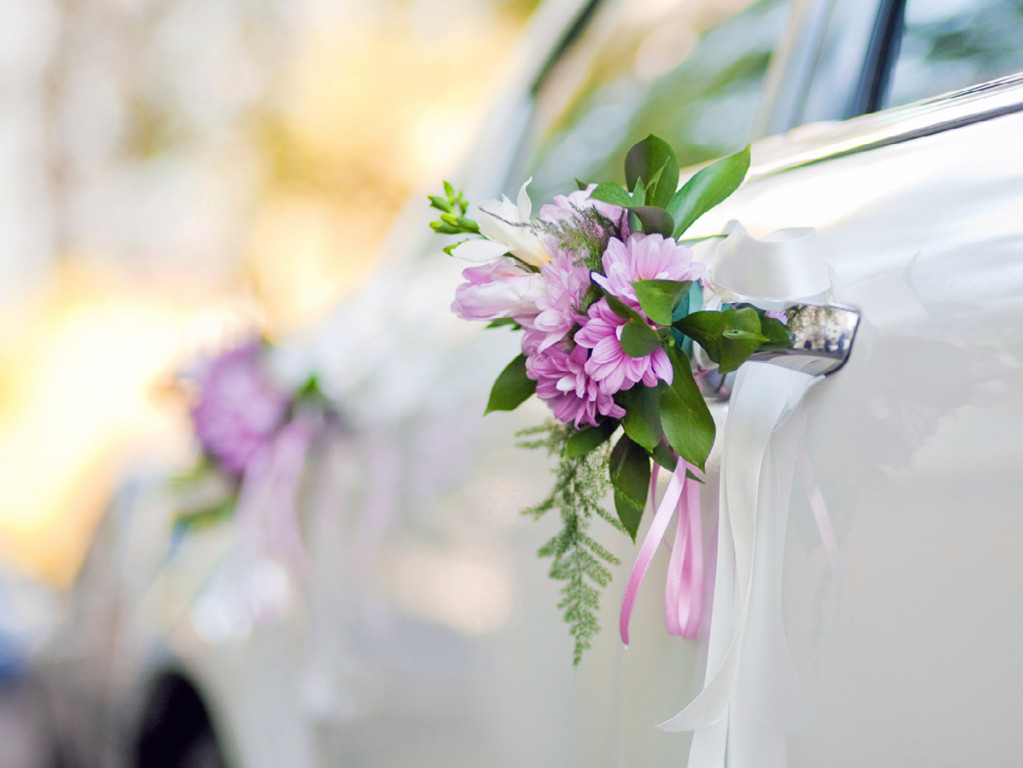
[(821, 340)]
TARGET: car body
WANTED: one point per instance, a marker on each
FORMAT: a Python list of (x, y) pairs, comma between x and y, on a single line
[(424, 631)]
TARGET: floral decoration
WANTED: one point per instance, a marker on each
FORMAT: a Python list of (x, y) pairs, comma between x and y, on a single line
[(254, 430), (608, 299)]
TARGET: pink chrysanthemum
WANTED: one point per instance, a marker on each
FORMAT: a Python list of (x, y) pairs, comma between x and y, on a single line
[(240, 407), (565, 281), (609, 364), (563, 383), (645, 257)]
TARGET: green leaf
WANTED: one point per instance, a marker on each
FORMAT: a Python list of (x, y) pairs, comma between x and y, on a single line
[(638, 339), (212, 514), (664, 456), (629, 467), (440, 203), (580, 185), (450, 249), (654, 161), (503, 321), (689, 303), (777, 333), (654, 220), (639, 193), (729, 336), (685, 417), (659, 298), (735, 334), (582, 441), (611, 193), (706, 189), (620, 308), (512, 387), (635, 225), (642, 420)]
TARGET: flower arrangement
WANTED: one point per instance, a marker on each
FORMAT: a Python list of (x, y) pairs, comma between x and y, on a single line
[(254, 431), (610, 303)]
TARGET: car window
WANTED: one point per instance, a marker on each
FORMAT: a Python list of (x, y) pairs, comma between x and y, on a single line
[(953, 44), (691, 73)]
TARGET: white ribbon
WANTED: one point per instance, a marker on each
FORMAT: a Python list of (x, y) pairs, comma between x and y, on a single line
[(751, 695)]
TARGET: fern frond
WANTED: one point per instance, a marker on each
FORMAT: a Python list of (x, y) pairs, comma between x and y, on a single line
[(578, 560)]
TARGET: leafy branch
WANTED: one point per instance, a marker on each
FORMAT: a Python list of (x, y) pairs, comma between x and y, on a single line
[(578, 560)]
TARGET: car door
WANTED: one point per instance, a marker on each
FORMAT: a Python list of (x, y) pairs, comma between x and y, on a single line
[(902, 635), (910, 446)]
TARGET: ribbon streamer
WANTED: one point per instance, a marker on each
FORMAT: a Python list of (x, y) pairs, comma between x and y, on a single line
[(683, 595), (268, 498), (750, 695)]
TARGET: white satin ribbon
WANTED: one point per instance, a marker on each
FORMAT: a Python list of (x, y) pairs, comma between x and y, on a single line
[(783, 268), (750, 696)]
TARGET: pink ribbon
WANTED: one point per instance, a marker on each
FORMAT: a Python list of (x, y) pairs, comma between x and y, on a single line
[(268, 499), (683, 595)]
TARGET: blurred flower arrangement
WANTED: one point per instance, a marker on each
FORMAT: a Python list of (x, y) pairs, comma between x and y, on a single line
[(255, 432), (609, 301)]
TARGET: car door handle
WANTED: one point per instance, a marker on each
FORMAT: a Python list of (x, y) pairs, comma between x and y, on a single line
[(822, 336)]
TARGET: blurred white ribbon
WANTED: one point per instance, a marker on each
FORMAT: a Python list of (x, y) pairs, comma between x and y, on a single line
[(751, 696)]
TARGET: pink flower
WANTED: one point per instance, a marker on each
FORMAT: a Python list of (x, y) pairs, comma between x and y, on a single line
[(563, 383), (240, 407), (505, 288), (609, 364), (567, 208), (565, 281), (645, 257)]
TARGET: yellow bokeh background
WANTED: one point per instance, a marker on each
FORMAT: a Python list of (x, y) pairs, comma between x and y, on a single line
[(367, 105)]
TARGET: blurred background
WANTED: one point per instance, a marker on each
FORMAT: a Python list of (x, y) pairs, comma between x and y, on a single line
[(176, 172)]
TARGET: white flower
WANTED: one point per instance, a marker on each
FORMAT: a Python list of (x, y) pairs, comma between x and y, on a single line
[(507, 227)]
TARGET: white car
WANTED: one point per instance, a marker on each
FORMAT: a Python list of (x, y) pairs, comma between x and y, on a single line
[(425, 632)]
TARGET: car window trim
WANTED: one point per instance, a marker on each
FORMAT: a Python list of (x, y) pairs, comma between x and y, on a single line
[(951, 111), (573, 33), (882, 51)]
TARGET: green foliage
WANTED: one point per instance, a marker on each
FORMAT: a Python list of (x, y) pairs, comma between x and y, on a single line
[(620, 308), (660, 298), (653, 160), (638, 339), (653, 220), (729, 336), (581, 442), (452, 221), (629, 469), (776, 333), (611, 193), (707, 189), (685, 417), (642, 420), (578, 560), (512, 387), (207, 516), (504, 321)]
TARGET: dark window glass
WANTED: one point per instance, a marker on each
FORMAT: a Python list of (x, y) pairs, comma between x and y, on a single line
[(691, 73), (953, 44)]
